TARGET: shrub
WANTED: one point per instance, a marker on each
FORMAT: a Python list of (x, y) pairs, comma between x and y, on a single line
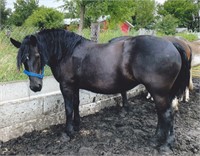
[(167, 25), (45, 18)]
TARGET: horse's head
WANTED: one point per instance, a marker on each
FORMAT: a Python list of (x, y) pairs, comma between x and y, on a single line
[(30, 57)]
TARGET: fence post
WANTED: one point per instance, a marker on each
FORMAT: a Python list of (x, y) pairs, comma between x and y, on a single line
[(95, 29)]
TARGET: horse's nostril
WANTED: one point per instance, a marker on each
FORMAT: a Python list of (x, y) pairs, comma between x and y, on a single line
[(39, 86), (31, 87), (36, 88)]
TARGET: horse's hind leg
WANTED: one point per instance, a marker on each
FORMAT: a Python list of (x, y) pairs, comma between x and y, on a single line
[(164, 136), (188, 88), (124, 99), (191, 82), (186, 95)]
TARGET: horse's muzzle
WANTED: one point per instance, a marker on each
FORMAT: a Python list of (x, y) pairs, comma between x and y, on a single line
[(36, 88), (35, 84)]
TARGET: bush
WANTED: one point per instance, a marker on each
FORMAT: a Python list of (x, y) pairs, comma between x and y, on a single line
[(167, 25), (45, 18)]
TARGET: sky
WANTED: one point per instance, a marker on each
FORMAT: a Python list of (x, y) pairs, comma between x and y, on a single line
[(47, 3), (160, 1), (52, 3)]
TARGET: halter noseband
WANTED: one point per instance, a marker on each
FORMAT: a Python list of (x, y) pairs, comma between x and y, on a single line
[(40, 76)]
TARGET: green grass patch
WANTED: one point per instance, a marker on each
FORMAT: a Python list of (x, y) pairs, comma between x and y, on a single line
[(188, 36), (8, 54), (196, 71)]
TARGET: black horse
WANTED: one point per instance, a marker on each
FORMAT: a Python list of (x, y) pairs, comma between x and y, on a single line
[(183, 47), (108, 69)]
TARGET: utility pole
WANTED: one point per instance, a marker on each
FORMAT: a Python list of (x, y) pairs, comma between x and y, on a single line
[(198, 15)]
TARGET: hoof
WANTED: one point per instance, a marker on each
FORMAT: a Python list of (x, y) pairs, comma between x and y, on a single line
[(76, 127), (154, 142), (70, 131), (125, 109), (65, 138), (187, 100), (123, 112), (165, 150), (71, 134)]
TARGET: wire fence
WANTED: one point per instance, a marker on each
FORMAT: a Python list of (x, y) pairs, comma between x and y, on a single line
[(8, 69)]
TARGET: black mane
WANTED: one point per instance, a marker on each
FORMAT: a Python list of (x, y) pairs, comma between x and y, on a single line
[(51, 42), (23, 51), (57, 42)]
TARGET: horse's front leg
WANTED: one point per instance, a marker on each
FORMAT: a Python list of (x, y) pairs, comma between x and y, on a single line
[(76, 111), (68, 95)]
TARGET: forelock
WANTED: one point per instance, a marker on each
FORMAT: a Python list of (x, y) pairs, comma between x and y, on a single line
[(23, 51)]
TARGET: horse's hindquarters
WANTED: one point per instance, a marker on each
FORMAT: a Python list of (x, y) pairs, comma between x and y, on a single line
[(155, 63)]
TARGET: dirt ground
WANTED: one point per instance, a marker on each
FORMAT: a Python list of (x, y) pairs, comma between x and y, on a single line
[(111, 132)]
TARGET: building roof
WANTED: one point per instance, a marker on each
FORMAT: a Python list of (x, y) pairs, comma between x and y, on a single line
[(129, 23), (68, 21)]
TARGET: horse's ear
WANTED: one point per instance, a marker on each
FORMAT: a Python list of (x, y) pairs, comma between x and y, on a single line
[(17, 44), (33, 40)]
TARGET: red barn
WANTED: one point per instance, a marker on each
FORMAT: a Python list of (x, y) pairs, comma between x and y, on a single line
[(125, 27)]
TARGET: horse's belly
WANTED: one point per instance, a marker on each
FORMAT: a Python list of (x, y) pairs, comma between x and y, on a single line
[(107, 87)]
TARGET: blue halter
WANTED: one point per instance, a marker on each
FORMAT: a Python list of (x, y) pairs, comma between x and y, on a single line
[(40, 76)]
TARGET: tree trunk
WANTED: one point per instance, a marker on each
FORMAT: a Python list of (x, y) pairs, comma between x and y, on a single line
[(95, 29), (81, 24)]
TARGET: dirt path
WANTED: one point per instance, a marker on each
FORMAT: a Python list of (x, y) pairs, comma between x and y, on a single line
[(112, 133)]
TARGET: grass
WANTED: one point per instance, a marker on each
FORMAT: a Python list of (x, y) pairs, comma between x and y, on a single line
[(8, 53), (196, 71)]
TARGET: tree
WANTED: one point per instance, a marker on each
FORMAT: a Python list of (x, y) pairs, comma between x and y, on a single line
[(78, 6), (23, 9), (119, 11), (144, 13), (167, 25), (45, 18), (183, 10), (3, 12), (93, 9), (71, 8)]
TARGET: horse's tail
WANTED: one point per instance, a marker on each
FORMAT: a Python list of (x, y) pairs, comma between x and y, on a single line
[(190, 86), (190, 59), (183, 78)]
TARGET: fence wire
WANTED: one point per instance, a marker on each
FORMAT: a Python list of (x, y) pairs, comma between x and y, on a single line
[(8, 69)]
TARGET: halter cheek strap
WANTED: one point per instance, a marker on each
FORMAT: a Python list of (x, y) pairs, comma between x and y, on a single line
[(40, 76)]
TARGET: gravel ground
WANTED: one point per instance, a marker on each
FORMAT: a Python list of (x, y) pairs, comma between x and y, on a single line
[(114, 132)]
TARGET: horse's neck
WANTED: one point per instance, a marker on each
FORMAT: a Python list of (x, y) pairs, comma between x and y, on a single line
[(195, 53)]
